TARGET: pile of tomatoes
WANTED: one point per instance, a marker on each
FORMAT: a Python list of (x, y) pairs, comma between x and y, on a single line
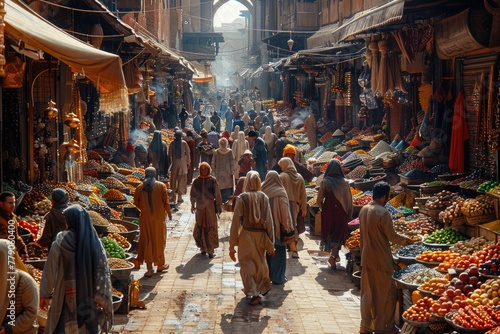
[(482, 317)]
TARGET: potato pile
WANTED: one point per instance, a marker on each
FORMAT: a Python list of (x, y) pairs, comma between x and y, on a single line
[(441, 200), (452, 211), (479, 206), (43, 206)]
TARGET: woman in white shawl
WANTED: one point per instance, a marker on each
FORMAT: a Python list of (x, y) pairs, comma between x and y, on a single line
[(207, 125), (296, 190), (271, 139), (234, 135), (283, 225), (240, 145), (252, 231)]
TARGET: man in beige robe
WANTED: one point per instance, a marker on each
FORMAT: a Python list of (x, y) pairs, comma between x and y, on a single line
[(151, 198), (252, 230), (378, 291), (312, 137), (180, 155)]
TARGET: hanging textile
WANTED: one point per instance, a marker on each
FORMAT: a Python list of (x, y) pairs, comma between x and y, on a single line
[(459, 135)]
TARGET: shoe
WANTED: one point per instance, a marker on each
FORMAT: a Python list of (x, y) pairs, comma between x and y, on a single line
[(254, 300), (211, 256), (203, 253), (295, 255), (162, 267)]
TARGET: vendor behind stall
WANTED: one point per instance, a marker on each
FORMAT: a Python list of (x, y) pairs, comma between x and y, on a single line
[(125, 154), (7, 206), (55, 221), (378, 291)]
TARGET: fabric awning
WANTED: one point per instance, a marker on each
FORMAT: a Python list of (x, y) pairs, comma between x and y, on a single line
[(322, 37), (369, 19), (201, 74), (257, 72), (104, 68)]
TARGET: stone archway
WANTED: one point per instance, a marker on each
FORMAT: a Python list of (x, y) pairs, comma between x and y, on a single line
[(218, 3)]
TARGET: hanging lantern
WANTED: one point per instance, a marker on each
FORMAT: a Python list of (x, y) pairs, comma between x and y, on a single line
[(51, 111), (71, 120), (72, 146), (96, 35), (290, 43)]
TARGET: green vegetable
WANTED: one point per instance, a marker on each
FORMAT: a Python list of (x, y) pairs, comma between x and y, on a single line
[(445, 237), (113, 249)]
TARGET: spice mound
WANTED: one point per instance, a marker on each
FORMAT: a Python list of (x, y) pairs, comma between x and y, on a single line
[(115, 263)]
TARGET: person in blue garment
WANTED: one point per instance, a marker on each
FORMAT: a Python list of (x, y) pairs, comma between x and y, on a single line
[(229, 118), (196, 122), (239, 122), (223, 108), (259, 154), (283, 225)]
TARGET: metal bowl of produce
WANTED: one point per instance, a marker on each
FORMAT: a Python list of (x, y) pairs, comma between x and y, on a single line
[(368, 185), (117, 301), (120, 268), (101, 229), (38, 264), (132, 228), (441, 246)]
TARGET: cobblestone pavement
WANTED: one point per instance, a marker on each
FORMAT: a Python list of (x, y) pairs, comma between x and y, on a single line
[(202, 295)]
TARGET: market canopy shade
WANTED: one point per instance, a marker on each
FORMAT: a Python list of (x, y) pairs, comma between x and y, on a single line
[(104, 68), (369, 19), (202, 73)]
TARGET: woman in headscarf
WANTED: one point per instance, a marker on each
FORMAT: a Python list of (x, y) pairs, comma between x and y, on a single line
[(180, 155), (260, 156), (125, 153), (296, 191), (55, 221), (157, 154), (270, 139), (223, 167), (192, 153), (278, 127), (151, 198), (246, 119), (77, 275), (240, 145), (283, 225), (253, 232), (196, 122), (206, 203), (235, 133), (335, 202), (239, 186), (207, 124), (18, 287)]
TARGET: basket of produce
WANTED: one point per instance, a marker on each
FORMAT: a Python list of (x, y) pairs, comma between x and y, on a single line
[(473, 320), (408, 254), (487, 186), (366, 185), (418, 314), (433, 187), (415, 275), (353, 243), (113, 249), (100, 223), (120, 240), (432, 259), (131, 229), (479, 210), (435, 287), (120, 268)]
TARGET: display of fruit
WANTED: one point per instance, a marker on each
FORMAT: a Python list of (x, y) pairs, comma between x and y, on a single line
[(487, 186), (490, 267), (412, 251), (43, 206), (422, 225), (420, 311), (435, 285), (353, 242), (482, 317), (30, 226), (417, 274), (36, 252), (362, 199), (32, 198), (479, 206), (122, 241), (452, 299), (444, 237), (113, 248), (452, 211), (113, 195), (113, 183), (441, 200), (495, 330), (495, 191), (470, 246), (436, 256), (472, 184)]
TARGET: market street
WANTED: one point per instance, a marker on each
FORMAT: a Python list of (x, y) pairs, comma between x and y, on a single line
[(202, 295)]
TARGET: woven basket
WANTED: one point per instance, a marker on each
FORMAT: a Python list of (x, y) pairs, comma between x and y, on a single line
[(473, 221)]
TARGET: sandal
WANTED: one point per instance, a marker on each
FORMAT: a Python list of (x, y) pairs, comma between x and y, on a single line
[(162, 267)]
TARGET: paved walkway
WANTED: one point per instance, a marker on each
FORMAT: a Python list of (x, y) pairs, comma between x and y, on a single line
[(202, 295)]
